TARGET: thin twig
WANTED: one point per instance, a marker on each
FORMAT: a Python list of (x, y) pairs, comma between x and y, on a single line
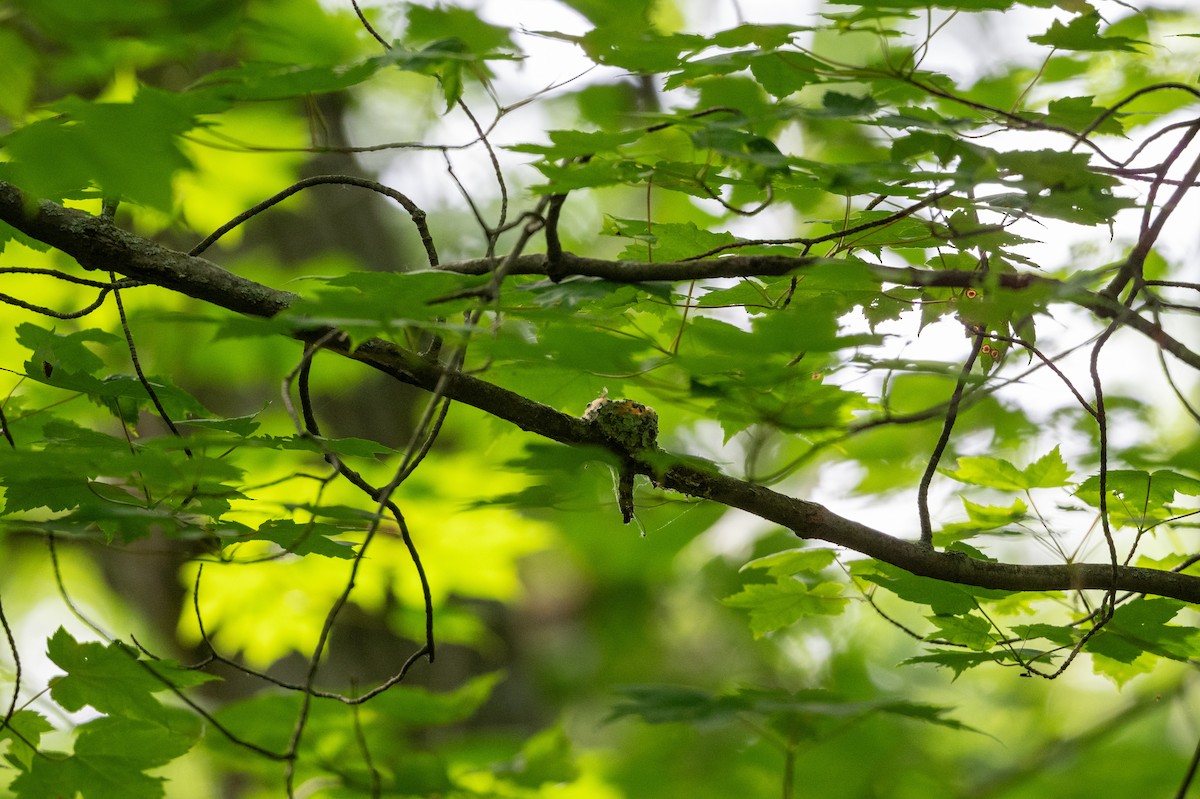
[(413, 210), (137, 368), (369, 28), (12, 645), (943, 440), (483, 137), (1190, 774)]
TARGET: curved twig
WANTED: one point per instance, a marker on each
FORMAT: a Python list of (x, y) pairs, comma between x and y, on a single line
[(414, 212), (943, 440)]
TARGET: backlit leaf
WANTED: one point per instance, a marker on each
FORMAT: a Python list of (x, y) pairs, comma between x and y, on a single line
[(776, 605)]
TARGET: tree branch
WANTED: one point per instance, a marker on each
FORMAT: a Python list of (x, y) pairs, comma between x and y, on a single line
[(745, 266), (97, 244)]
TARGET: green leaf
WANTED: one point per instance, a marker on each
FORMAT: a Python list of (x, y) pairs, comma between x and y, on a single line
[(240, 426), (268, 81), (111, 758), (638, 48), (24, 732), (567, 144), (1141, 626), (776, 605), (989, 517), (350, 447), (311, 538), (697, 69), (1063, 636), (847, 105), (1080, 113), (785, 710), (664, 704), (969, 630), (958, 662), (420, 707), (594, 173), (431, 24), (793, 561), (1083, 34), (785, 73), (944, 598), (86, 144), (668, 241), (1049, 471), (1061, 185), (61, 352), (593, 295), (547, 757), (387, 302), (989, 472), (1138, 497), (113, 679)]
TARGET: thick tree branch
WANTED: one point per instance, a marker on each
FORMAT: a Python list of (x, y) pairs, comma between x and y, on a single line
[(806, 519), (97, 244)]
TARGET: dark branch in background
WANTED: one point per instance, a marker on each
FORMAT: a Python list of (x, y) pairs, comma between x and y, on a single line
[(1175, 389), (972, 394), (1049, 364), (492, 234), (96, 244), (1115, 107), (365, 750)]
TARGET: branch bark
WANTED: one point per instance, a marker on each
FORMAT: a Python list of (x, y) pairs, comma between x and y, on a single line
[(97, 244)]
